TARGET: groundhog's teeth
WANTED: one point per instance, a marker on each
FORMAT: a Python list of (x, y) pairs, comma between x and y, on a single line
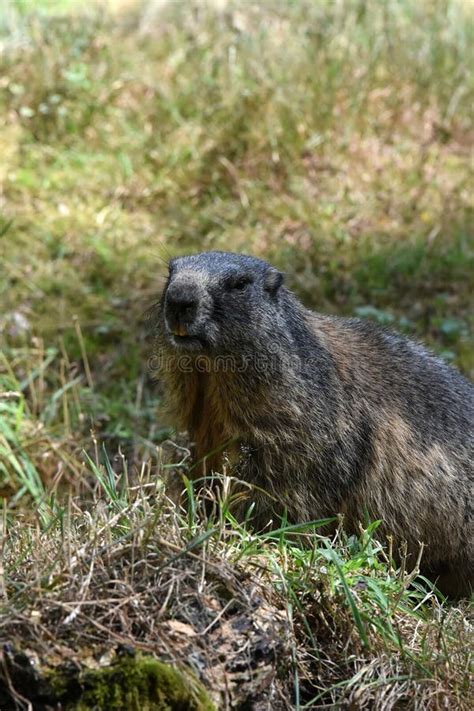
[(180, 331)]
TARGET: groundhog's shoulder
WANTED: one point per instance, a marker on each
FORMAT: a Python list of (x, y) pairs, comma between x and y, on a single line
[(381, 361), (353, 343), (350, 338)]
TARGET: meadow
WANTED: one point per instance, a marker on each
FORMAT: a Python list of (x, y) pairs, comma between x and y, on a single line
[(333, 138)]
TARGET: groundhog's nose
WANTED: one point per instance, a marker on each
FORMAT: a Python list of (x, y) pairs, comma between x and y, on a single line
[(180, 307)]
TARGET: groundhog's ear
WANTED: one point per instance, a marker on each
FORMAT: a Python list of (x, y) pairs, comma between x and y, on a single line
[(273, 281)]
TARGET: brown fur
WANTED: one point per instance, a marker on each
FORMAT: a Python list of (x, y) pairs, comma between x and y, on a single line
[(344, 417)]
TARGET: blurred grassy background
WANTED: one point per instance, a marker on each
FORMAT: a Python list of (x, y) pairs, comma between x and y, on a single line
[(332, 138)]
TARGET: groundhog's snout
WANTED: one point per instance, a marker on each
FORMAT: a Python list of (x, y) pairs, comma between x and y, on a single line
[(181, 306)]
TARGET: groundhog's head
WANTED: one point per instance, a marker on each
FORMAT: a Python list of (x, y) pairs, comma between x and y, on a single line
[(216, 300)]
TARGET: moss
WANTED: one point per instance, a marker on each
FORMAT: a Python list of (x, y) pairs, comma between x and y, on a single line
[(132, 683)]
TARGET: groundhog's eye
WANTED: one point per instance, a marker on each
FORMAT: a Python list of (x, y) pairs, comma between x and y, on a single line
[(238, 283)]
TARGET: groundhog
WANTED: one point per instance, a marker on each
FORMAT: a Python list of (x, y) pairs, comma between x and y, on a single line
[(321, 415)]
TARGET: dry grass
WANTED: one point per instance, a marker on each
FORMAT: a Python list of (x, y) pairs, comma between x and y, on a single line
[(256, 617)]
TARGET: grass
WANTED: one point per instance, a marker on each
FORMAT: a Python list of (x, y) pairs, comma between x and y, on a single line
[(333, 139), (328, 621)]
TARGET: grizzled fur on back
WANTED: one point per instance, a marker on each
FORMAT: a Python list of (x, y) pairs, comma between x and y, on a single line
[(327, 415)]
